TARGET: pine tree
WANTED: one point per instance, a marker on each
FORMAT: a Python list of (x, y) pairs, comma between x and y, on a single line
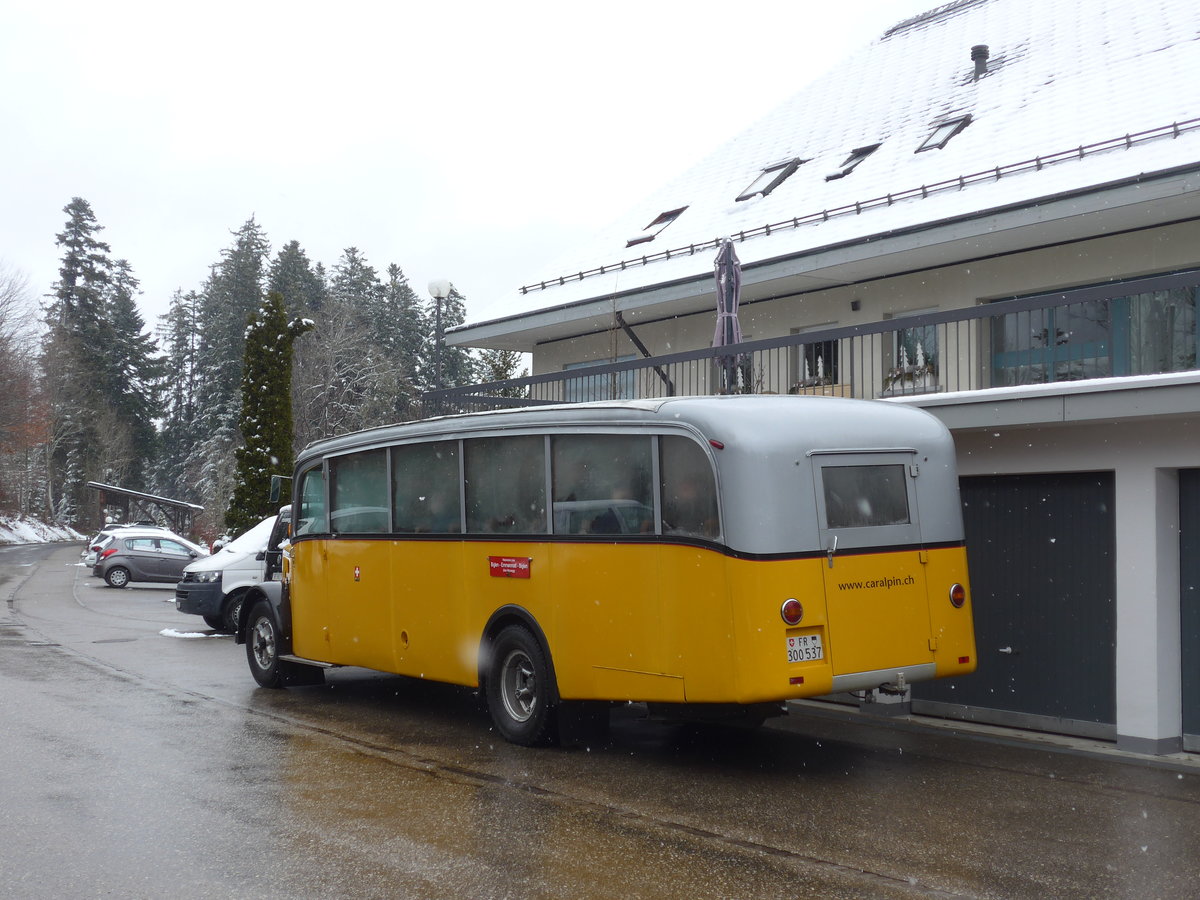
[(233, 291), (179, 335), (266, 415), (303, 287), (400, 328), (502, 365), (135, 374), (78, 378)]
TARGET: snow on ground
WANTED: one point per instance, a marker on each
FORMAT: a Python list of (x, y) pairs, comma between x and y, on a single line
[(23, 530), (190, 635)]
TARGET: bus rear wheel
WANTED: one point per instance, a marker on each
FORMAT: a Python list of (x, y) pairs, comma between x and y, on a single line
[(518, 689)]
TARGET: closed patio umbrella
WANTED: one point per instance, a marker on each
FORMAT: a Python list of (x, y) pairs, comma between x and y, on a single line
[(728, 272)]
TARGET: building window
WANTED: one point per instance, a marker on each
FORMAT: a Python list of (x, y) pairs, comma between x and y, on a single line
[(914, 368), (851, 162), (813, 365), (602, 385), (770, 178), (1146, 333), (942, 133), (654, 228)]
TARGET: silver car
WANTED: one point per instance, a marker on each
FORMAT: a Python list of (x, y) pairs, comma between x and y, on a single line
[(145, 556)]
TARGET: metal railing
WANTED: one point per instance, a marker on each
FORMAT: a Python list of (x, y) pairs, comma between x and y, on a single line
[(1146, 326)]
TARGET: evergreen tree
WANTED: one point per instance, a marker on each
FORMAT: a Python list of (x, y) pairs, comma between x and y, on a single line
[(232, 292), (135, 373), (78, 378), (502, 365), (400, 328), (303, 287), (266, 416), (179, 335)]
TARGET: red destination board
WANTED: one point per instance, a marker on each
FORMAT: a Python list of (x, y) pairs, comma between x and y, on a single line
[(509, 566)]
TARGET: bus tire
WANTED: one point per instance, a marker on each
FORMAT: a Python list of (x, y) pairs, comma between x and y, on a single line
[(262, 646), (518, 688)]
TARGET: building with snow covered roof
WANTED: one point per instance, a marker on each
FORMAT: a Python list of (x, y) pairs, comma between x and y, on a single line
[(992, 211)]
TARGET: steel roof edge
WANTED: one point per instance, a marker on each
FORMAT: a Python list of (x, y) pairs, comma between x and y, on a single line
[(1094, 400)]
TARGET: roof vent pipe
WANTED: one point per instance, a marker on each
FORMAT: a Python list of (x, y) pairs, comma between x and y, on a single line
[(979, 55)]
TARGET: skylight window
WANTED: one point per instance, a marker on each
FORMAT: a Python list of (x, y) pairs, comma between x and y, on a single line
[(942, 133), (652, 230), (770, 178), (852, 161)]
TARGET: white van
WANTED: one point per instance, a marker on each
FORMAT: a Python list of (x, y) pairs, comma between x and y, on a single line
[(213, 587)]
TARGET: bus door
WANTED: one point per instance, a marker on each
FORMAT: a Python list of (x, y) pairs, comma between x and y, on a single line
[(873, 564), (307, 567)]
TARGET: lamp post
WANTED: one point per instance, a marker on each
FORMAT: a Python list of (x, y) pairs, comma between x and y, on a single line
[(439, 289)]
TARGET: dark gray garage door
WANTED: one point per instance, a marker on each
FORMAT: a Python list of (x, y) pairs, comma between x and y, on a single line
[(1189, 594), (1041, 556)]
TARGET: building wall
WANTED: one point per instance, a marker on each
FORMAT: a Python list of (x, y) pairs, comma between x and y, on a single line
[(952, 287)]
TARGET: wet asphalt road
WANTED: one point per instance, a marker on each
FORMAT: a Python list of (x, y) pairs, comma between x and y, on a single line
[(139, 759)]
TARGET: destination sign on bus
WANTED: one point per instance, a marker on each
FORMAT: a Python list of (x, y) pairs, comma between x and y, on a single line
[(509, 566)]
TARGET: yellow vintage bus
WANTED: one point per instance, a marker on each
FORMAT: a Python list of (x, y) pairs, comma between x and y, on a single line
[(702, 554)]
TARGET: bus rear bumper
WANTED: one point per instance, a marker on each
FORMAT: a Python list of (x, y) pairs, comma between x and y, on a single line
[(900, 675)]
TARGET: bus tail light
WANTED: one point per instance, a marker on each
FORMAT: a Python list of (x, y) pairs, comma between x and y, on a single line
[(792, 611), (958, 595)]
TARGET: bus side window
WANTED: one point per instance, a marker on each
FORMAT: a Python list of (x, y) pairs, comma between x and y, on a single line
[(310, 518), (506, 484), (689, 492), (425, 488), (602, 484), (358, 490)]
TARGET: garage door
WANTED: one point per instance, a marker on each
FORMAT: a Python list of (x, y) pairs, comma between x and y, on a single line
[(1041, 550), (1189, 594)]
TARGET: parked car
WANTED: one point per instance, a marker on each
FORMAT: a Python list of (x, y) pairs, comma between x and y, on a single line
[(214, 587), (101, 539), (145, 555)]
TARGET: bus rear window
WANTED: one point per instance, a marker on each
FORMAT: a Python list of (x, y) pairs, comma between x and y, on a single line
[(863, 496)]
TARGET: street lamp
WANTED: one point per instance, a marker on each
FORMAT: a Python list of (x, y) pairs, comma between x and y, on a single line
[(439, 289)]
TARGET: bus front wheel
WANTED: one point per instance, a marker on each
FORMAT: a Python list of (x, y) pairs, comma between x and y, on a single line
[(518, 688), (262, 646)]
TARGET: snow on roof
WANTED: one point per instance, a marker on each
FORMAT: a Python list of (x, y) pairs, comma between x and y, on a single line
[(1076, 94)]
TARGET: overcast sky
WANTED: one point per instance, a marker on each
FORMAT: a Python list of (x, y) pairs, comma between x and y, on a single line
[(473, 141)]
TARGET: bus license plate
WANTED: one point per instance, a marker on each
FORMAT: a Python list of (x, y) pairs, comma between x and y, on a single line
[(805, 648)]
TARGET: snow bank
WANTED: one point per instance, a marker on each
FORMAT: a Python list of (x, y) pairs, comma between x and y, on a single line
[(22, 530)]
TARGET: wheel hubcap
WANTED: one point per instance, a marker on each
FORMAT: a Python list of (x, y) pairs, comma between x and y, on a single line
[(518, 686), (263, 642)]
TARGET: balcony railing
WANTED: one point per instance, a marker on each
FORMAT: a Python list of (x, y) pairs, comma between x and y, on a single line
[(1141, 327)]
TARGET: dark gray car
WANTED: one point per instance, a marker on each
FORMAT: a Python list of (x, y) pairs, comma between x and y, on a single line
[(145, 557)]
